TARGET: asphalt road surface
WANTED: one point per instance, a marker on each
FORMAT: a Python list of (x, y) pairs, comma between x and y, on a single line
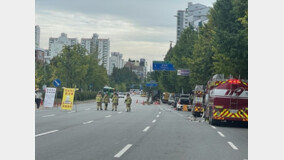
[(148, 132)]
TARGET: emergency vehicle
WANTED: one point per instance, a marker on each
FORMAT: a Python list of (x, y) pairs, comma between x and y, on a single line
[(197, 104), (226, 100)]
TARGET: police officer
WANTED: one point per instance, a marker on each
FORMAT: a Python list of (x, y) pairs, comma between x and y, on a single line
[(114, 102), (99, 100), (128, 102), (106, 100)]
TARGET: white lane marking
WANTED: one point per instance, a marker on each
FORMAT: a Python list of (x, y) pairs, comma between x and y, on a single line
[(158, 116), (146, 129), (88, 122), (213, 127), (108, 116), (120, 153), (71, 112), (119, 112), (154, 121), (159, 112), (233, 146), (221, 134), (41, 134), (50, 115), (87, 109)]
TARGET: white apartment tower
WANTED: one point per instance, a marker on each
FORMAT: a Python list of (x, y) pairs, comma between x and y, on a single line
[(194, 14), (91, 44), (37, 37), (56, 44), (115, 60), (104, 52)]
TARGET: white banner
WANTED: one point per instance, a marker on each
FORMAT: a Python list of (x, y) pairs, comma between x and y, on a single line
[(49, 97)]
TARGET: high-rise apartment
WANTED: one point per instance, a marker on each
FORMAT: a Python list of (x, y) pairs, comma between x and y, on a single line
[(37, 37), (91, 44), (104, 52), (194, 15), (115, 60), (56, 44)]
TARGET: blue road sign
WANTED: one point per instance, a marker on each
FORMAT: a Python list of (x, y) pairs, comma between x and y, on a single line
[(151, 84), (163, 66), (56, 82)]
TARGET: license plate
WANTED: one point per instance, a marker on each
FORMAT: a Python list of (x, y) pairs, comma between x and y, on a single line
[(233, 110)]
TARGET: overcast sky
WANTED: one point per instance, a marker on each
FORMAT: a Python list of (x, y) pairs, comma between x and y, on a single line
[(136, 28)]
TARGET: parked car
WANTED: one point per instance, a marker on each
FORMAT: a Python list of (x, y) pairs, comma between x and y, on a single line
[(121, 95), (181, 102), (171, 100)]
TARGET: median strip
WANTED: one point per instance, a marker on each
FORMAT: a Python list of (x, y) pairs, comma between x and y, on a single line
[(120, 153), (45, 133)]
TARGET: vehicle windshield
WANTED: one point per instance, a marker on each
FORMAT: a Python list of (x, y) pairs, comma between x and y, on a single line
[(184, 101)]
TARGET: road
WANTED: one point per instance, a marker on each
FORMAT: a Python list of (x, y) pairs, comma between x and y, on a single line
[(149, 132)]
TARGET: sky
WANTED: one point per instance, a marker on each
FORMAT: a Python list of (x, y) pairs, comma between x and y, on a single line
[(136, 28)]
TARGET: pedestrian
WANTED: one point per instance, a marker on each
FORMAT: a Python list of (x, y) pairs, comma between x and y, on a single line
[(128, 102), (114, 101), (38, 97), (106, 100), (99, 101)]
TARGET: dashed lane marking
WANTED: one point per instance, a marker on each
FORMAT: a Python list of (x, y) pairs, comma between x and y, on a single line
[(146, 129), (45, 133), (221, 134), (213, 127), (71, 112), (88, 122), (120, 153), (87, 109), (108, 116), (158, 116), (233, 146), (119, 112), (50, 115), (154, 121), (159, 112)]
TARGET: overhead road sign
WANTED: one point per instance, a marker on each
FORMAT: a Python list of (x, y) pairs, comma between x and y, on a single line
[(151, 84), (163, 66), (56, 82), (183, 72)]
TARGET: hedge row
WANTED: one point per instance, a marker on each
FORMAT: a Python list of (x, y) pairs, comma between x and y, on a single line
[(79, 95)]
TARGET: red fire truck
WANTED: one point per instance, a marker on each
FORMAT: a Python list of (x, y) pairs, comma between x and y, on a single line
[(197, 104), (226, 100)]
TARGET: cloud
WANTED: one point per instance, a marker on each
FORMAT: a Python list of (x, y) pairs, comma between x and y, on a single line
[(126, 37)]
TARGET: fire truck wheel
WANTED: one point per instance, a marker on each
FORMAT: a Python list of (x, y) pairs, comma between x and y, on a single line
[(213, 121)]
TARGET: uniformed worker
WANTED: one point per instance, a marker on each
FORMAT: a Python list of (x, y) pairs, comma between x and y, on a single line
[(99, 101), (128, 102), (114, 102), (106, 100)]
